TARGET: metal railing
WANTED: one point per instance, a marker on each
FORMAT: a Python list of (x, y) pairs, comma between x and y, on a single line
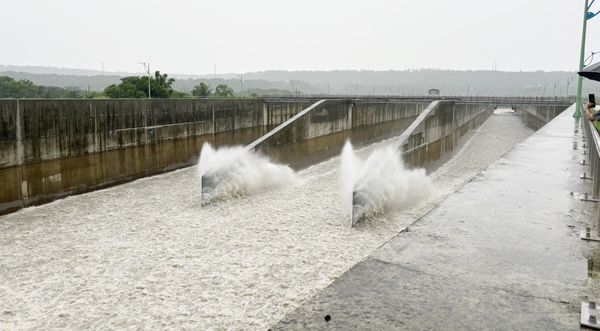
[(591, 151)]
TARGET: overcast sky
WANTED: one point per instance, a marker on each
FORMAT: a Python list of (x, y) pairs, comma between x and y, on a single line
[(185, 36)]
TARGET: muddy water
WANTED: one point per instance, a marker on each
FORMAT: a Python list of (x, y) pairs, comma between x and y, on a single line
[(146, 254)]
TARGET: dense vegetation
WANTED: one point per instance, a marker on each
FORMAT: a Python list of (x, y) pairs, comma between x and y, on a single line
[(161, 87), (11, 88), (130, 87), (137, 87), (202, 90)]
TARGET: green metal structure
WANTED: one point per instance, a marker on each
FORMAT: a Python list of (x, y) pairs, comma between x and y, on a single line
[(577, 113)]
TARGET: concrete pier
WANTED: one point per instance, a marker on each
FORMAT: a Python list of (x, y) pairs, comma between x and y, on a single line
[(502, 253)]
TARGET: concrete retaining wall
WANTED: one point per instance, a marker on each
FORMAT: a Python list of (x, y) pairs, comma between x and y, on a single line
[(537, 115), (434, 139), (53, 148), (322, 132)]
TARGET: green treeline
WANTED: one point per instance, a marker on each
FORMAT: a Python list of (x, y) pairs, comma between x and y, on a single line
[(10, 88), (129, 87)]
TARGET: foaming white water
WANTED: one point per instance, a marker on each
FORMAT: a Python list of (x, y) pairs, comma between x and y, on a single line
[(235, 171), (351, 166), (381, 183)]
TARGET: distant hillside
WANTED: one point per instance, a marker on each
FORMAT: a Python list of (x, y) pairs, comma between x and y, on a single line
[(406, 82), (59, 71), (450, 82), (95, 83)]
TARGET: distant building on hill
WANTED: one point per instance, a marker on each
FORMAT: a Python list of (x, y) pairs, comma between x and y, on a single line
[(434, 91)]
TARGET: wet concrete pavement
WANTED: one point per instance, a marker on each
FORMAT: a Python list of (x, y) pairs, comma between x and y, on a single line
[(502, 253)]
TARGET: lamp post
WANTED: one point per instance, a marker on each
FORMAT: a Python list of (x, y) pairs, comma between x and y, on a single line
[(587, 15), (147, 69)]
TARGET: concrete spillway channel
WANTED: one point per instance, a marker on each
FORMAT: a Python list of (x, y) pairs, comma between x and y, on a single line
[(430, 138), (147, 254)]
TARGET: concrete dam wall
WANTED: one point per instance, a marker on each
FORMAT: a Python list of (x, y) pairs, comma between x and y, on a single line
[(53, 148), (536, 115), (440, 131), (320, 133)]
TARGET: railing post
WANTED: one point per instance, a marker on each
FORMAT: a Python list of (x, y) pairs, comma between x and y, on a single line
[(593, 162), (590, 145), (591, 149), (594, 169), (598, 220), (596, 173)]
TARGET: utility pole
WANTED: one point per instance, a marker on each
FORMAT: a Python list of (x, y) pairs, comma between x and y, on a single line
[(147, 69), (568, 83), (581, 54), (557, 88)]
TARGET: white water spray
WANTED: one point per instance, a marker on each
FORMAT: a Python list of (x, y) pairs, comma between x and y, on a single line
[(235, 171), (381, 183)]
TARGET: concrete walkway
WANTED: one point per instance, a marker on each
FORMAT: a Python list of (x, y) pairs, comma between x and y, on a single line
[(503, 253)]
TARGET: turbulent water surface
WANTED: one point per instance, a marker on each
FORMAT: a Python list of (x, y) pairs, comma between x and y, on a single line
[(147, 255)]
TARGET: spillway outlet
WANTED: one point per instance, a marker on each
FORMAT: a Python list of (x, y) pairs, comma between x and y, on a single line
[(209, 184), (359, 207)]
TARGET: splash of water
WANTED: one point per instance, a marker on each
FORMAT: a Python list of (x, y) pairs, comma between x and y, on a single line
[(381, 183), (234, 171)]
